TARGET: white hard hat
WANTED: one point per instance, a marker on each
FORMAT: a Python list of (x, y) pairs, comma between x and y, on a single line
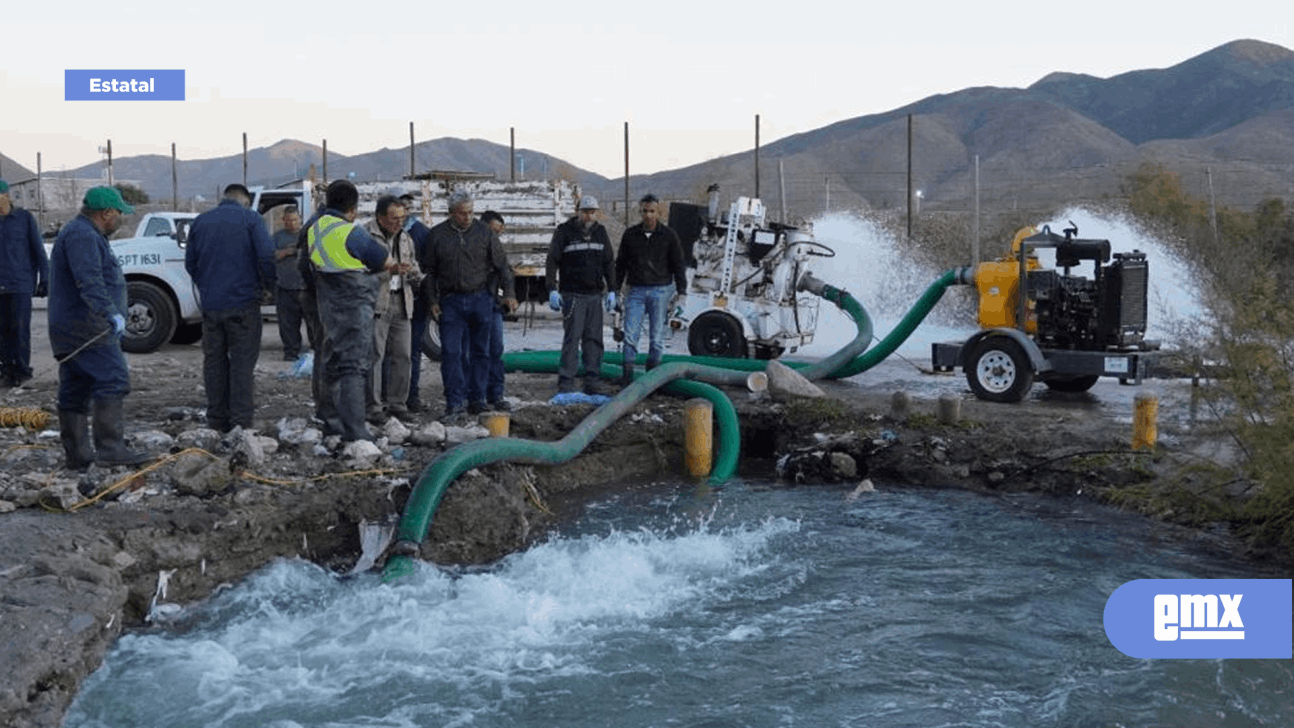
[(588, 202)]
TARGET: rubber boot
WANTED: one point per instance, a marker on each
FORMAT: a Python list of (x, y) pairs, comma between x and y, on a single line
[(110, 434), (627, 377), (74, 431), (350, 391)]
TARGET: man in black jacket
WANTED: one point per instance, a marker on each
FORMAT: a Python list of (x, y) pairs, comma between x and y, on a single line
[(580, 268), (651, 262)]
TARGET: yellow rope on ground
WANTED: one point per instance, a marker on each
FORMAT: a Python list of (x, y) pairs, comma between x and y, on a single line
[(30, 417)]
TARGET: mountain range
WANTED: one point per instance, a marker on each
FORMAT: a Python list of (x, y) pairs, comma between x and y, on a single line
[(1223, 120)]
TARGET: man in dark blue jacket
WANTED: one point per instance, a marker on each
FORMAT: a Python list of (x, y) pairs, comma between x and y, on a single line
[(87, 315), (419, 231), (230, 257), (24, 272)]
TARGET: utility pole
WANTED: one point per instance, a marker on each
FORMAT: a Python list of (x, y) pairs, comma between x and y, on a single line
[(910, 191), (244, 159), (626, 174), (40, 195), (756, 156), (175, 182), (412, 170)]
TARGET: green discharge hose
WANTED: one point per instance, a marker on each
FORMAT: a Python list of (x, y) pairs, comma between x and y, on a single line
[(844, 363), (848, 361), (437, 477)]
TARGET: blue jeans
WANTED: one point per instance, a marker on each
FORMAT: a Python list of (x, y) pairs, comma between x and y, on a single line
[(652, 302), (417, 325), (465, 321), (494, 382)]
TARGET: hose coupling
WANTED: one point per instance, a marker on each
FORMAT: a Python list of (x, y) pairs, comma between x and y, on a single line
[(405, 547), (809, 282)]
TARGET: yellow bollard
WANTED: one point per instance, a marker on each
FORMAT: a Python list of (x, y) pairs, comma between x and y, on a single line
[(1145, 411), (698, 431), (498, 423)]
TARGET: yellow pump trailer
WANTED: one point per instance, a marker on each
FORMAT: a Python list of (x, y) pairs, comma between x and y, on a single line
[(1039, 323)]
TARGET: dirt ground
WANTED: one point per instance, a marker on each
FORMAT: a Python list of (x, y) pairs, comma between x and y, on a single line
[(83, 557)]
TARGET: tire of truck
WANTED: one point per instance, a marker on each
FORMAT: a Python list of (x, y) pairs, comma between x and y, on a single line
[(716, 334), (187, 333), (998, 370), (431, 340), (1071, 383), (150, 318)]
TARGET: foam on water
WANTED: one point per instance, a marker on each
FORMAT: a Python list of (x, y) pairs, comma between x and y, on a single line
[(296, 640)]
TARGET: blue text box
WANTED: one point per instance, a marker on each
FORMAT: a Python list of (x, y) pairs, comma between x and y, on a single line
[(1201, 618), (123, 85)]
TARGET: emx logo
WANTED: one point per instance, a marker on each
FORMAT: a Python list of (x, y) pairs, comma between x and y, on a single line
[(1201, 618)]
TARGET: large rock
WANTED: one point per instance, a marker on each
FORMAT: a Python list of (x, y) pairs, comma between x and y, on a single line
[(785, 382)]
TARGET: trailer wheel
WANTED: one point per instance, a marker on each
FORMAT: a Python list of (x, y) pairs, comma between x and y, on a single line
[(1071, 383), (150, 318), (998, 370), (716, 334)]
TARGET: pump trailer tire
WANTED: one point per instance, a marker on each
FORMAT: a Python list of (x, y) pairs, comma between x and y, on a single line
[(151, 318), (716, 334), (998, 370)]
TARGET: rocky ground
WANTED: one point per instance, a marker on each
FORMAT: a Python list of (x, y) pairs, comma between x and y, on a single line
[(85, 556)]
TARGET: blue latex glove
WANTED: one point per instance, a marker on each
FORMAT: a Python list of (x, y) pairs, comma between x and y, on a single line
[(555, 301), (118, 323), (611, 301)]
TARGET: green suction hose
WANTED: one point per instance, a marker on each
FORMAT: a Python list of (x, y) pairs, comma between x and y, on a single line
[(848, 361), (442, 471)]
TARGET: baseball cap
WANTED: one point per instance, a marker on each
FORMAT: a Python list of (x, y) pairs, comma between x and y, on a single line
[(588, 202), (106, 198), (4, 187)]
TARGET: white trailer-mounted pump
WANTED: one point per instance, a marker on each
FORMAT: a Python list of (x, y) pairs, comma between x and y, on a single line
[(742, 274)]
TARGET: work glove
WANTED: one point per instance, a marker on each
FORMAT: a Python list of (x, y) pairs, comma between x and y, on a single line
[(118, 323), (611, 301), (555, 300), (42, 290), (676, 304)]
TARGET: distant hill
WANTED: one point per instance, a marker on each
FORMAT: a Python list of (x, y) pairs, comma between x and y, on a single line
[(1224, 120), (1226, 114), (11, 171)]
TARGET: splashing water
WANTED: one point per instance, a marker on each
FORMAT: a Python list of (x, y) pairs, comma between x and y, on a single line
[(926, 608)]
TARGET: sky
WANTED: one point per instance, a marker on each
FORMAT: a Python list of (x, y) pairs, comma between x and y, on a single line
[(687, 77)]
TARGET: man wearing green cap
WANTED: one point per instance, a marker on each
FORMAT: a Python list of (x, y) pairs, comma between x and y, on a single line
[(24, 272), (87, 315)]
